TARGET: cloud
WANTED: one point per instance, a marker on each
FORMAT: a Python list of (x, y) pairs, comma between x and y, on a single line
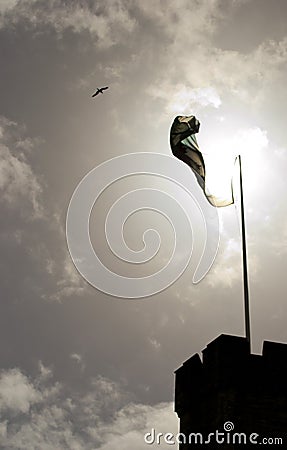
[(217, 73), (184, 22), (68, 281), (132, 423), (31, 228), (46, 417), (104, 22), (190, 69), (16, 392), (78, 360), (19, 185), (189, 61), (182, 99), (6, 5), (18, 182), (172, 47)]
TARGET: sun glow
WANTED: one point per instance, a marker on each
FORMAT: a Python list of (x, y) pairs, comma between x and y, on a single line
[(220, 158)]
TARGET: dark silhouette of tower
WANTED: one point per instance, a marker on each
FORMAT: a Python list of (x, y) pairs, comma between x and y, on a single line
[(241, 395)]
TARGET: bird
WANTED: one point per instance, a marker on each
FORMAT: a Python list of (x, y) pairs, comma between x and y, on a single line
[(100, 90)]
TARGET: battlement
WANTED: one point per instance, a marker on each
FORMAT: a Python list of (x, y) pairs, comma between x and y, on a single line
[(231, 384)]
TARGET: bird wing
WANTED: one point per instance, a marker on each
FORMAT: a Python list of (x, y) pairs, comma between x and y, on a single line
[(104, 88), (96, 93)]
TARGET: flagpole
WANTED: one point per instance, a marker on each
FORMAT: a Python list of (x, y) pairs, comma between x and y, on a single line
[(244, 261)]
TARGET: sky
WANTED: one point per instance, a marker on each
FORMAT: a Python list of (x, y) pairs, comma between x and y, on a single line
[(82, 369)]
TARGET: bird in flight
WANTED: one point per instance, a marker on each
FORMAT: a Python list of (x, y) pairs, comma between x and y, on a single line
[(100, 90)]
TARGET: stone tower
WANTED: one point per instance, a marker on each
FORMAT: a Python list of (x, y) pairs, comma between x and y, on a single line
[(238, 396)]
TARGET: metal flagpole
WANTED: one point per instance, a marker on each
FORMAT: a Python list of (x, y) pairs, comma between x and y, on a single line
[(244, 260)]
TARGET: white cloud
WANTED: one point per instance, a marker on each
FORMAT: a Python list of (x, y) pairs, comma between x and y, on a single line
[(17, 181), (193, 62), (217, 73), (45, 372), (30, 226), (78, 360), (134, 421), (104, 418), (16, 392), (185, 22), (155, 344), (19, 185), (105, 22), (69, 283), (190, 69), (181, 99)]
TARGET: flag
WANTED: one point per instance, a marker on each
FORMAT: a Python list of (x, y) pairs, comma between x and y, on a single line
[(184, 146)]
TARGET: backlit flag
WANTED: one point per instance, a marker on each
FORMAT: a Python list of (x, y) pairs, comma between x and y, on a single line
[(185, 147)]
